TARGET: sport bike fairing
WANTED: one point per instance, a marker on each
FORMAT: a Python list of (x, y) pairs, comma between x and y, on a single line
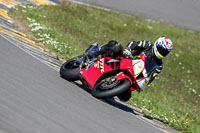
[(148, 66), (102, 66), (140, 70)]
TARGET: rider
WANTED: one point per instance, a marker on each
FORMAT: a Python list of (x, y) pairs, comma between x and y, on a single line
[(155, 52)]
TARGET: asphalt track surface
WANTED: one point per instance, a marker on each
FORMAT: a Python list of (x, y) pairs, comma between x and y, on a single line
[(183, 13), (34, 99)]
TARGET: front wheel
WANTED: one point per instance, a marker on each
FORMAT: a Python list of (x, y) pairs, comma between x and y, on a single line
[(125, 96), (69, 70), (107, 90)]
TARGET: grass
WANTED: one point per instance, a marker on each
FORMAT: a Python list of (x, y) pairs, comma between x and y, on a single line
[(68, 29)]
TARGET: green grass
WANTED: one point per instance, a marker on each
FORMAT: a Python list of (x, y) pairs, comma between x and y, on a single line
[(173, 97)]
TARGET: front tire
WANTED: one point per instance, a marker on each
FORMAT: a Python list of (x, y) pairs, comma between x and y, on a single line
[(69, 70), (120, 88), (125, 96)]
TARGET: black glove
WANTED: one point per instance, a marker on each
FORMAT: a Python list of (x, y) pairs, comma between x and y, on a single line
[(127, 51)]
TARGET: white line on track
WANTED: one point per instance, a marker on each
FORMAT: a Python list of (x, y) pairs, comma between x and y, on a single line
[(149, 123), (10, 40)]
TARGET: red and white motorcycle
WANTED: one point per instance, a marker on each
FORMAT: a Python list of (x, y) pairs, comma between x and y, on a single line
[(108, 77)]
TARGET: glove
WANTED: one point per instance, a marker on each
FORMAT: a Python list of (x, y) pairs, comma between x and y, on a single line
[(127, 52)]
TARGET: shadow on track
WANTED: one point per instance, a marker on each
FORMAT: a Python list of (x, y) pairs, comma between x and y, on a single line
[(111, 101), (120, 105)]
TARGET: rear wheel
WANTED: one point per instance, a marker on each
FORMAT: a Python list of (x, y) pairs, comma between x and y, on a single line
[(107, 88), (69, 70)]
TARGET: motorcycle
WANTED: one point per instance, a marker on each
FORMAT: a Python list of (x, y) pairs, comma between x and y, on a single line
[(107, 77)]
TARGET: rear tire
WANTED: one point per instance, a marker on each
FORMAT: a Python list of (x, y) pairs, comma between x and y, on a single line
[(69, 70), (122, 87)]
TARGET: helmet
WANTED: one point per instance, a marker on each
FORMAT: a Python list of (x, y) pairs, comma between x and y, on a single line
[(162, 47)]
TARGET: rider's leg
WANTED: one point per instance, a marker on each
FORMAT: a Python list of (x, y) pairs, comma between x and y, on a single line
[(93, 50)]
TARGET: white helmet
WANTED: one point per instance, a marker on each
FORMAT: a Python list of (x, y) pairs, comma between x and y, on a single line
[(162, 47)]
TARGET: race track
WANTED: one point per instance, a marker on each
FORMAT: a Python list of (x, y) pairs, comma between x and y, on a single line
[(183, 13), (34, 99)]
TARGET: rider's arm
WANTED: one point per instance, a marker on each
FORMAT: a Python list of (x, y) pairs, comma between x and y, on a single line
[(135, 48), (140, 45)]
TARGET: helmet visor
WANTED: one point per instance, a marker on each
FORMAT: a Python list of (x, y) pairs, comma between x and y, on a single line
[(162, 50)]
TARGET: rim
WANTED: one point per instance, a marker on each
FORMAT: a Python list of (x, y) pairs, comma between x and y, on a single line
[(107, 84), (122, 86)]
